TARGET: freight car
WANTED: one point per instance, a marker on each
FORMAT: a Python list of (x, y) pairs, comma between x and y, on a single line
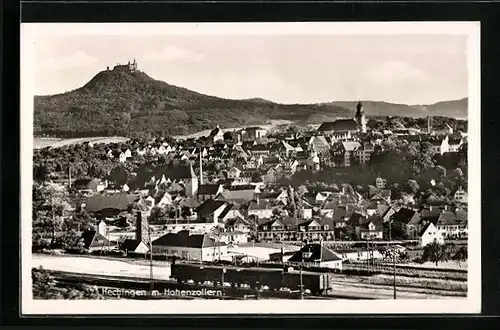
[(256, 278)]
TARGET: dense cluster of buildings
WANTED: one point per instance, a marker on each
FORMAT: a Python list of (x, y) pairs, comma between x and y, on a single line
[(226, 191)]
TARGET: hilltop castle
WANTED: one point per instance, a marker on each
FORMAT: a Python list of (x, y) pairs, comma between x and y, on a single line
[(129, 67)]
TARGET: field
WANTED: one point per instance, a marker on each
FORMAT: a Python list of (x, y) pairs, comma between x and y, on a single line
[(56, 142)]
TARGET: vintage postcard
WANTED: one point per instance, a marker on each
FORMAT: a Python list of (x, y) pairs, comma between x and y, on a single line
[(215, 168)]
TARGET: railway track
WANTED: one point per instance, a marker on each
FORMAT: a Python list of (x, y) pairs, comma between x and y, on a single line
[(229, 293)]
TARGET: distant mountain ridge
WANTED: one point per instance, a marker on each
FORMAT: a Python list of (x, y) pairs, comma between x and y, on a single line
[(453, 108), (128, 103)]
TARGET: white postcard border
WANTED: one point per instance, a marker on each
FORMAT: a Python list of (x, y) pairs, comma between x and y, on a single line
[(471, 304)]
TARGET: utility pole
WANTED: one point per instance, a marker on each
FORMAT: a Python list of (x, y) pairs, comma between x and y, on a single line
[(222, 283), (150, 261), (394, 270), (301, 285)]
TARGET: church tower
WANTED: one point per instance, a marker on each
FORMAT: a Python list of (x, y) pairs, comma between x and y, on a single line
[(360, 118)]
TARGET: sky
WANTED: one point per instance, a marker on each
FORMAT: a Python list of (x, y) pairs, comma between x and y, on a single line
[(409, 69)]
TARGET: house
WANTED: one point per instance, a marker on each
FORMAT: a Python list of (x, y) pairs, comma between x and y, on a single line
[(319, 144), (359, 254), (384, 196), (447, 129), (460, 196), (255, 133), (285, 149), (237, 224), (454, 144), (163, 199), (239, 192), (191, 247), (328, 209), (210, 211), (320, 197), (408, 220), (440, 145), (93, 240), (232, 238), (453, 225), (283, 256), (134, 245), (316, 255), (209, 191), (349, 149), (260, 209), (260, 150), (233, 173), (370, 228), (364, 152), (430, 234)]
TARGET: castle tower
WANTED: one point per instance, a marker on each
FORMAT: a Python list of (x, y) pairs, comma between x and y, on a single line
[(360, 118)]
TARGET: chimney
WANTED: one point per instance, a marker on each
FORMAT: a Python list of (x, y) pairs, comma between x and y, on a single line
[(138, 227)]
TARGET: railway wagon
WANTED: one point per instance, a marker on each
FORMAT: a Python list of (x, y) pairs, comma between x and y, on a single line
[(274, 279)]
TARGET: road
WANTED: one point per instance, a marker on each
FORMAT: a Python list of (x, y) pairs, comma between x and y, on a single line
[(97, 266)]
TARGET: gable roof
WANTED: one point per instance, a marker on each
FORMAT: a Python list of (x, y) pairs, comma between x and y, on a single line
[(119, 202), (92, 239), (84, 183), (236, 220), (405, 215), (237, 195), (339, 125), (185, 239), (350, 145), (209, 207), (424, 228), (130, 244), (318, 253), (209, 189)]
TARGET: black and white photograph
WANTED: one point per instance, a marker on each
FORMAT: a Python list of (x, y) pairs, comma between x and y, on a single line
[(218, 167)]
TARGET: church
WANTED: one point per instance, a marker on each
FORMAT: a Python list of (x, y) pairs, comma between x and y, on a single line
[(345, 128)]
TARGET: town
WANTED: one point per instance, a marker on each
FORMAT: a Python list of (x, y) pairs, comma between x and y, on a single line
[(347, 195)]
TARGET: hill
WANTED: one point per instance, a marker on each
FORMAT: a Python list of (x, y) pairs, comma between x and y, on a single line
[(124, 103), (454, 109), (131, 103)]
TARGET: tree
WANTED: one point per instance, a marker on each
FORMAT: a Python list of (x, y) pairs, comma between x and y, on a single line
[(441, 171), (72, 240), (435, 252), (42, 283), (50, 207), (460, 255), (411, 186), (83, 220)]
